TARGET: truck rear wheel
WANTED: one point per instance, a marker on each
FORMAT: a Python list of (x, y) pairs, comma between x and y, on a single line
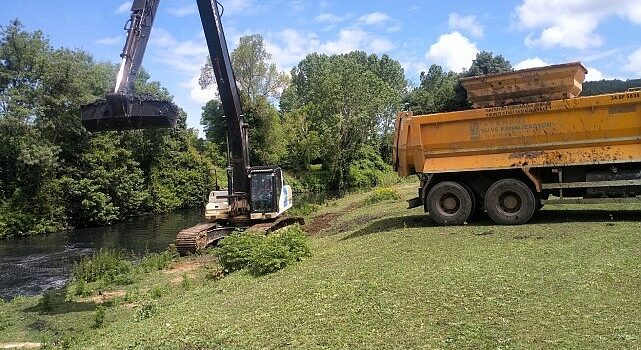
[(449, 203), (510, 202)]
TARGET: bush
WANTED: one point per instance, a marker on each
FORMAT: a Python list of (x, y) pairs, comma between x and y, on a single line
[(369, 170), (263, 254), (108, 265), (304, 209), (279, 250), (99, 317), (156, 261), (214, 271), (382, 194), (235, 251), (145, 311)]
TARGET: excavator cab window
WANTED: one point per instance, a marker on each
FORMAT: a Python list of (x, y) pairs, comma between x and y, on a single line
[(263, 195)]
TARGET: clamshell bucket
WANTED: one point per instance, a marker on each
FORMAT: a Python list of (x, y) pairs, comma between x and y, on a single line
[(540, 84), (123, 112)]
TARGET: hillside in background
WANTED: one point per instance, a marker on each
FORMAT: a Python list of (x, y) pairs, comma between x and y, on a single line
[(591, 88)]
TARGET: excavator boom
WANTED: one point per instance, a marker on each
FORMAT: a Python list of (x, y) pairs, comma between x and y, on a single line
[(228, 91)]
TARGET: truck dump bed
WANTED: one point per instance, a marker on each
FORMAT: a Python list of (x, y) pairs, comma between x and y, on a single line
[(526, 85), (575, 131)]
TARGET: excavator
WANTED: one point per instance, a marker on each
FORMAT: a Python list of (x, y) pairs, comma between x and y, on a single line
[(257, 196)]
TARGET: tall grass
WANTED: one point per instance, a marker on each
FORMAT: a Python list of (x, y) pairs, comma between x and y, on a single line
[(105, 264)]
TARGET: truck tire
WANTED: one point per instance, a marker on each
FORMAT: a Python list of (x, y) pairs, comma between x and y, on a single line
[(510, 202), (449, 203)]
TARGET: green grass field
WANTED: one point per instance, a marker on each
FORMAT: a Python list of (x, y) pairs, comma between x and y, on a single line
[(380, 277)]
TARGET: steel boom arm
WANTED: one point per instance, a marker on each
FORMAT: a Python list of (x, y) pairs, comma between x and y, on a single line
[(138, 28), (228, 91)]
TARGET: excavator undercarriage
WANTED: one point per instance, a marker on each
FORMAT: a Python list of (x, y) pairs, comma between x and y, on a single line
[(201, 236)]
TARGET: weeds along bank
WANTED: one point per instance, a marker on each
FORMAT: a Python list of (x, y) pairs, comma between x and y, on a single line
[(379, 276)]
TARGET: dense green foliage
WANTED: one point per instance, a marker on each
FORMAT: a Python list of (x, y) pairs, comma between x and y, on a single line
[(591, 88), (440, 91), (262, 254), (54, 174), (104, 265), (382, 194), (349, 102)]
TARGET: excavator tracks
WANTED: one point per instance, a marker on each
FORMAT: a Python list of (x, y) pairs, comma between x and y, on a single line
[(196, 238)]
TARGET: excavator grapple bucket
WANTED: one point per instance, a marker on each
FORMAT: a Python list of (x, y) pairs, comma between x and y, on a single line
[(123, 112)]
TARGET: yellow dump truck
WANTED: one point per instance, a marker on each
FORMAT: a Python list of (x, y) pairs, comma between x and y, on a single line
[(529, 141)]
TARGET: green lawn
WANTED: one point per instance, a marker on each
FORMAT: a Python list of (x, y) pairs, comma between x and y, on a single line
[(383, 277)]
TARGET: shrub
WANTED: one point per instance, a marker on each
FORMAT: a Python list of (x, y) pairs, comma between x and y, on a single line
[(156, 261), (80, 288), (235, 251), (99, 317), (106, 264), (382, 194), (369, 170), (263, 254), (279, 250), (47, 302), (304, 209), (145, 311), (157, 292), (186, 282), (214, 271)]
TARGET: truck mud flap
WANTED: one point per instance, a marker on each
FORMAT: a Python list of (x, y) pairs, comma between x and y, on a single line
[(122, 112), (414, 203)]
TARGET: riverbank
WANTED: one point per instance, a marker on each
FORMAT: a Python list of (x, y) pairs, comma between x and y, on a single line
[(380, 276)]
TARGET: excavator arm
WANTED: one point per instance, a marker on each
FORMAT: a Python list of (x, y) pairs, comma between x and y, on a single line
[(138, 29), (122, 110), (230, 99), (254, 193)]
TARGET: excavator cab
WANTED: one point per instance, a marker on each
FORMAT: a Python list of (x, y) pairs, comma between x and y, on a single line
[(269, 195)]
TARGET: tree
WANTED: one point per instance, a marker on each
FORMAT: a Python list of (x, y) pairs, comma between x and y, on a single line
[(436, 92), (345, 98), (255, 74), (54, 174), (259, 81), (487, 63)]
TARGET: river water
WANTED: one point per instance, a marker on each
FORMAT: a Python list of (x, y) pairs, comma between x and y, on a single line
[(32, 265)]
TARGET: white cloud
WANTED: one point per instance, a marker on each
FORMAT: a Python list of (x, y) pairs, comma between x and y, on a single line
[(531, 63), (454, 51), (374, 18), (237, 6), (634, 63), (571, 23), (124, 7), (594, 74), (290, 46), (198, 94), (183, 11), (465, 23), (328, 17), (356, 39), (110, 40)]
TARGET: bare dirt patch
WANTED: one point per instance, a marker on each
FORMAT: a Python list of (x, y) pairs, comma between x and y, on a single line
[(20, 345), (324, 222), (103, 297), (190, 265)]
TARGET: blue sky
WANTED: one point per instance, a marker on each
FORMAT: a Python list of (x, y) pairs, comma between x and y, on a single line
[(604, 35)]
